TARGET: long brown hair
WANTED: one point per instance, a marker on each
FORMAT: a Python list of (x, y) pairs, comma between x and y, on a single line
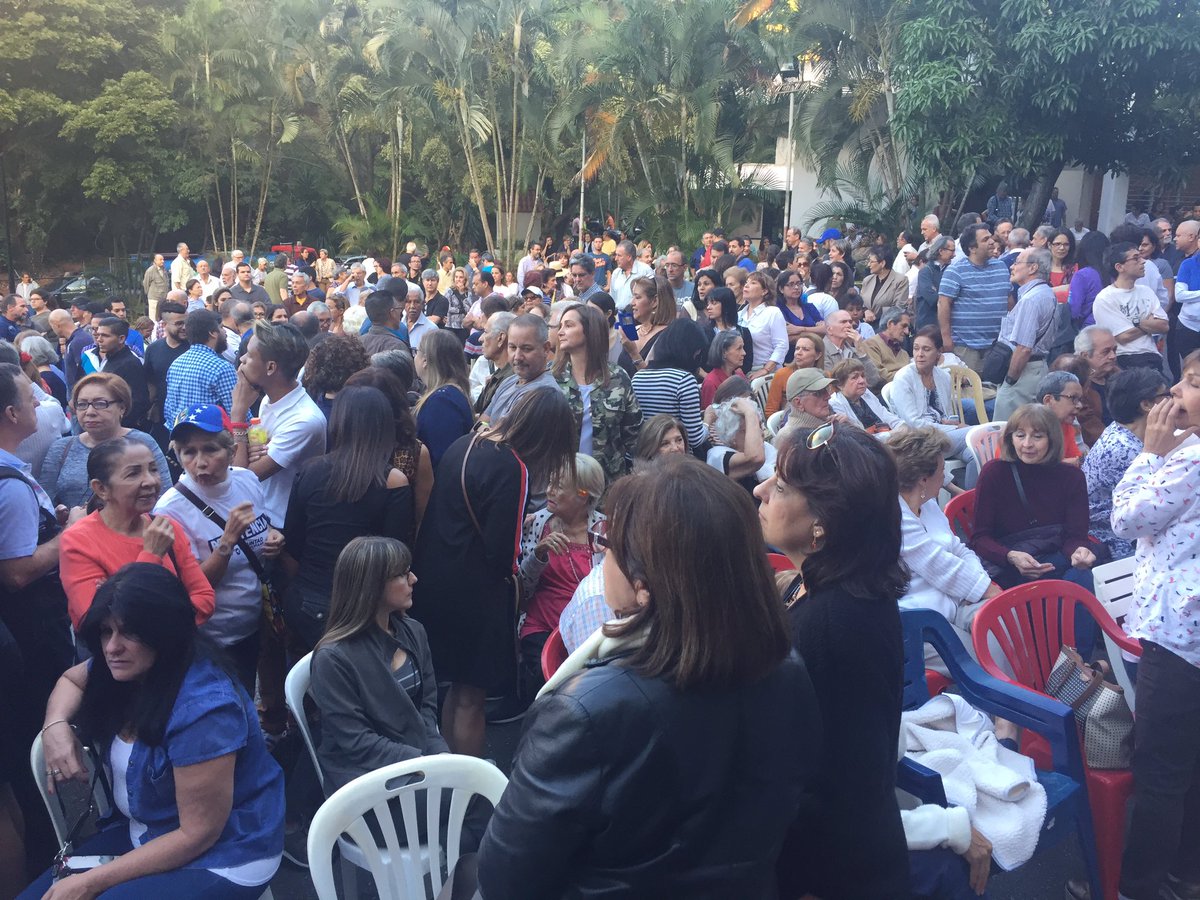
[(713, 618), (445, 364), (541, 430), (360, 576), (595, 344)]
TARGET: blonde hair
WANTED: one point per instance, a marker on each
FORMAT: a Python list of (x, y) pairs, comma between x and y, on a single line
[(918, 452), (360, 576), (117, 388)]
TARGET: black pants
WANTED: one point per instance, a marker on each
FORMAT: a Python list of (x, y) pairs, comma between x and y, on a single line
[(1164, 828), (1186, 341), (1140, 361), (531, 665), (244, 656)]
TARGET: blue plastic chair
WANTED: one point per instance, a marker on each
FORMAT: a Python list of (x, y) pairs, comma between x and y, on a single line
[(1066, 793)]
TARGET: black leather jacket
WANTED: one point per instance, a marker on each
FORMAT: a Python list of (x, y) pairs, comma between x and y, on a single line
[(624, 786)]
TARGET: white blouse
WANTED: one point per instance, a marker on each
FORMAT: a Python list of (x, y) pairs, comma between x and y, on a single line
[(768, 331)]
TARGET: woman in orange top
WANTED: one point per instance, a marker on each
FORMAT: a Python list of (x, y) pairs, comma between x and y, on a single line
[(810, 354), (1062, 393), (125, 479)]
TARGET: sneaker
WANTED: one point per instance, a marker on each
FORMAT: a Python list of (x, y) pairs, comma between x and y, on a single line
[(1177, 889), (295, 847)]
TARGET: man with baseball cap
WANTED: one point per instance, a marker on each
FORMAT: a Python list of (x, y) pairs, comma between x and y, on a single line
[(808, 398)]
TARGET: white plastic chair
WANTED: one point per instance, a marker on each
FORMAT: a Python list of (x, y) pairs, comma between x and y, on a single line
[(774, 423), (344, 813), (37, 762), (885, 394), (1113, 586), (760, 387), (984, 442)]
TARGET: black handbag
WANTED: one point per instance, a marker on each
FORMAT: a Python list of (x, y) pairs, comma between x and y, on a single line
[(995, 363)]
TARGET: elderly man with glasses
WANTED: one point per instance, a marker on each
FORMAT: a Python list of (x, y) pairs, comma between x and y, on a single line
[(1027, 331)]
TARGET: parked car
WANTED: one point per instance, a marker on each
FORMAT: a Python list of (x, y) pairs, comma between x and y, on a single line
[(96, 286)]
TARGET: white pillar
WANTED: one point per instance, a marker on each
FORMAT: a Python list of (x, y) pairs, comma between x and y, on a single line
[(1114, 197)]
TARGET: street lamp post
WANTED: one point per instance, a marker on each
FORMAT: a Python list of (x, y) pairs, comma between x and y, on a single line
[(790, 80), (582, 166), (12, 275)]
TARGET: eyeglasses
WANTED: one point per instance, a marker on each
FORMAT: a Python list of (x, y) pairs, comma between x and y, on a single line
[(81, 405), (598, 534), (1077, 399), (1062, 244)]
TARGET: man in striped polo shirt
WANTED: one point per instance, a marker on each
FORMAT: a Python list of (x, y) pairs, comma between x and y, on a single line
[(973, 298)]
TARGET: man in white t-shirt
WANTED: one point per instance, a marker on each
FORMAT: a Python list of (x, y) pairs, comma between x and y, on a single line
[(294, 424), (1131, 311)]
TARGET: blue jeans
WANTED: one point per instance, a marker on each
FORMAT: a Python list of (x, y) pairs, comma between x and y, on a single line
[(180, 884)]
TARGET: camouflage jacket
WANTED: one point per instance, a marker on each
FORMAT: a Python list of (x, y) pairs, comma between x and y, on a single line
[(616, 418)]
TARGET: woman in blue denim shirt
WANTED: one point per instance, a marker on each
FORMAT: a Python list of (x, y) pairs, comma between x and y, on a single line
[(201, 801)]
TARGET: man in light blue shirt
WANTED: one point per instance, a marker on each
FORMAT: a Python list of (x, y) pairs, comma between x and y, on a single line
[(973, 297)]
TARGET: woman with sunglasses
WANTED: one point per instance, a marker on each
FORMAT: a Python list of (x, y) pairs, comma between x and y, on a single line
[(99, 400), (556, 554), (610, 786), (830, 507)]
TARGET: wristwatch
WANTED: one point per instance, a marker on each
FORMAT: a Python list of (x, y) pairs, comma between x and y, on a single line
[(1009, 380), (224, 549)]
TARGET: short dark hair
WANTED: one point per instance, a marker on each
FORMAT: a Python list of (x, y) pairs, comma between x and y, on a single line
[(821, 275), (682, 346), (969, 239), (10, 392), (584, 262), (119, 327), (1115, 255), (488, 278), (1127, 389), (170, 306), (492, 304), (199, 325), (850, 483), (729, 308), (379, 306), (720, 247), (933, 334), (97, 307), (695, 636), (282, 344)]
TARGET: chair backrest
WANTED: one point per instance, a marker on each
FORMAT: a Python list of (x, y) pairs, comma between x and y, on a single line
[(397, 874), (1114, 586), (1031, 623), (760, 388), (775, 422), (554, 654), (961, 513), (295, 689), (54, 802), (962, 381), (985, 441), (886, 393)]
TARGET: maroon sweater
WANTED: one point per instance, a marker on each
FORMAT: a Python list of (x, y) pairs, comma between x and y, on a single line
[(1057, 495)]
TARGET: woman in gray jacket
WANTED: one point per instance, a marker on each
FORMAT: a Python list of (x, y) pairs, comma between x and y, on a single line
[(372, 675)]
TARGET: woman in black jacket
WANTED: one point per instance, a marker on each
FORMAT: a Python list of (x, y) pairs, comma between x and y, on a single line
[(830, 509), (372, 673), (669, 754)]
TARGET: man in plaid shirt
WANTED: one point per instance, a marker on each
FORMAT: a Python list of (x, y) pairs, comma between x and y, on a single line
[(200, 375)]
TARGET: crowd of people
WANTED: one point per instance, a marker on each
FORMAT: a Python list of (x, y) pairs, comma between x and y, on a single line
[(421, 471)]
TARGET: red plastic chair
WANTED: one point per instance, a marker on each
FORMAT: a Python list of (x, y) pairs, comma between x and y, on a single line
[(961, 513), (1031, 623), (554, 654)]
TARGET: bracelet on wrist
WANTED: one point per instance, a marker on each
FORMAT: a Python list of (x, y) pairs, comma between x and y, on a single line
[(55, 722)]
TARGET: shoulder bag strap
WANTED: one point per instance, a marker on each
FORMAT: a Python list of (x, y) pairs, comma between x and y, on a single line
[(213, 516), (463, 482), (1033, 521)]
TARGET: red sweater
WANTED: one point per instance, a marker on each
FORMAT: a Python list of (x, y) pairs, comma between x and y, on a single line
[(90, 552), (1057, 494)]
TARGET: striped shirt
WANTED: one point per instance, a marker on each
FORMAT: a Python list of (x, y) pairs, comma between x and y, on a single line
[(676, 393), (980, 297)]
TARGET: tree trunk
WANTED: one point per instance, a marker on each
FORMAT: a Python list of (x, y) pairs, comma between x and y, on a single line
[(344, 146), (266, 184), (476, 187), (1034, 209)]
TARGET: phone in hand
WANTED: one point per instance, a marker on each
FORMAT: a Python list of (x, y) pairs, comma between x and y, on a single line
[(626, 324)]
